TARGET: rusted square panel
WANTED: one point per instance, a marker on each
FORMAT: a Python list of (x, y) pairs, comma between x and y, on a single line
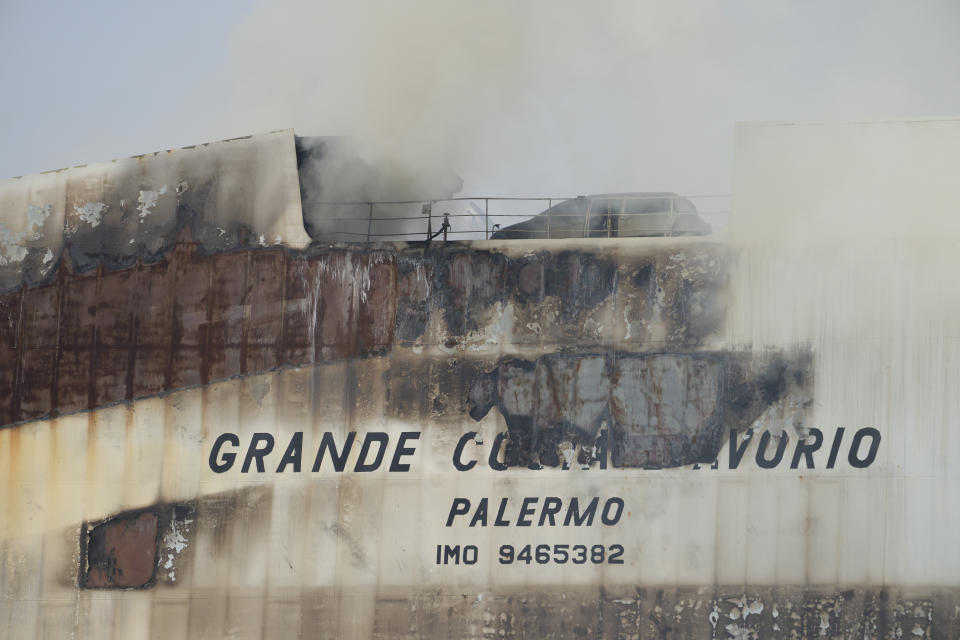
[(336, 309), (154, 302), (187, 367), (9, 356), (115, 303), (190, 324), (190, 302), (39, 319), (266, 311), (150, 371), (152, 330), (299, 312), (80, 300), (73, 379), (111, 381), (662, 406), (9, 319), (8, 373), (378, 304), (227, 298), (122, 552), (414, 298), (36, 383)]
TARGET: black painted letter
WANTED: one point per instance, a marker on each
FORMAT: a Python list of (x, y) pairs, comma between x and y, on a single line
[(228, 458), (458, 452), (856, 461), (256, 453), (395, 464)]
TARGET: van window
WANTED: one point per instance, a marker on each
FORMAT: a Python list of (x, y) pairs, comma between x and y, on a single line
[(566, 219), (603, 213), (650, 205), (648, 216)]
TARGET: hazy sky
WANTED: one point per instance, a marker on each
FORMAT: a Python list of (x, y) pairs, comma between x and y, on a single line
[(521, 98)]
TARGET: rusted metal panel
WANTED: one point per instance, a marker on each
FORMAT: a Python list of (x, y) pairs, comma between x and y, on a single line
[(78, 342), (189, 352), (300, 327), (229, 300), (38, 353), (122, 553), (263, 332), (377, 303), (152, 328), (337, 306), (101, 337), (415, 279), (9, 352), (663, 410), (115, 338)]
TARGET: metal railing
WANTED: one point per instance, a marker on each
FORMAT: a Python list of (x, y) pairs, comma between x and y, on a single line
[(479, 218)]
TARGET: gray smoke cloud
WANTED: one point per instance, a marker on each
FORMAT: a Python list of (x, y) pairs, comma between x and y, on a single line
[(561, 97), (517, 98)]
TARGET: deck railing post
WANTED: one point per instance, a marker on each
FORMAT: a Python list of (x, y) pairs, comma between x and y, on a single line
[(370, 222), (549, 215), (486, 218)]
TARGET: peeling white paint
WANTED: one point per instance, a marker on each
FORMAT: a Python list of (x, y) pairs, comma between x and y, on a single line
[(91, 212), (174, 539), (568, 452), (148, 200), (10, 248), (36, 217)]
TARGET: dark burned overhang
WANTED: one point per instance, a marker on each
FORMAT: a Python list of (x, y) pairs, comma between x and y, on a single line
[(228, 194), (231, 194)]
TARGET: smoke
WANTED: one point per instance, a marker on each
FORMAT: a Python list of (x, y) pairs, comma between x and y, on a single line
[(336, 185), (847, 237), (560, 98), (519, 98), (534, 98)]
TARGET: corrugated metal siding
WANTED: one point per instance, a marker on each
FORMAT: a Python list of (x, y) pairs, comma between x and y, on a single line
[(97, 338), (544, 345)]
